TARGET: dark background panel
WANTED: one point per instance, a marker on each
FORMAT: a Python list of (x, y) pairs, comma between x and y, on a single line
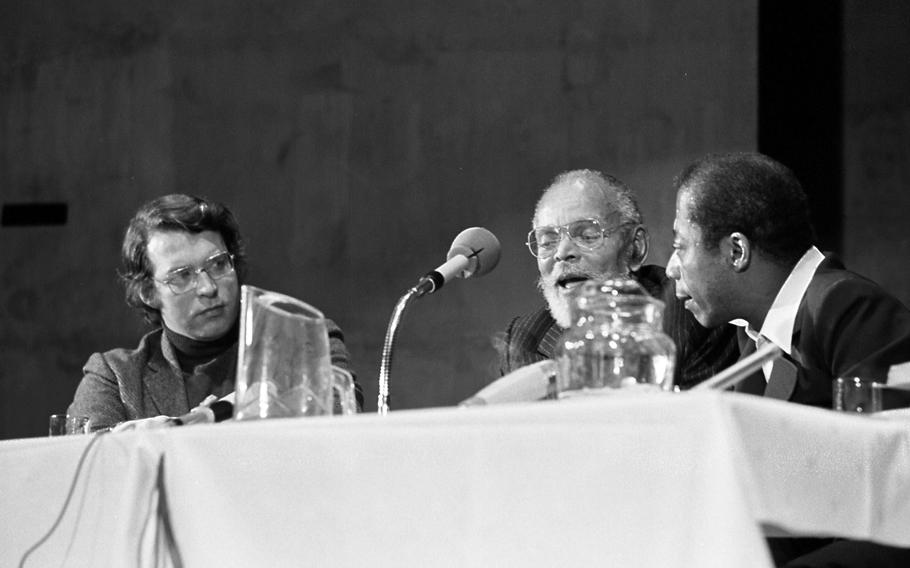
[(800, 94)]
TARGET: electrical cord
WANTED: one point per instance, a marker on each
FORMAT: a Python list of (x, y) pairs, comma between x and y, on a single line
[(66, 502)]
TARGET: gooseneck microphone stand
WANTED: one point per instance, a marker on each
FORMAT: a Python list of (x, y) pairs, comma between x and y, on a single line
[(382, 403), (474, 251), (427, 285)]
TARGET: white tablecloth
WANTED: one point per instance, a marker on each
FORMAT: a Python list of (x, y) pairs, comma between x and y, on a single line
[(810, 471), (649, 480), (102, 513)]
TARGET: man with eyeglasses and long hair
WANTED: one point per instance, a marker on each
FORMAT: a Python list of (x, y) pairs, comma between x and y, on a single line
[(587, 225), (183, 264)]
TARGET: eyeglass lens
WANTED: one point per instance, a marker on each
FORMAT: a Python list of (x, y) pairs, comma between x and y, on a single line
[(216, 267), (585, 232)]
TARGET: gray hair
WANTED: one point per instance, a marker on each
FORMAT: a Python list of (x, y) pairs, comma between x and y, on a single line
[(611, 188)]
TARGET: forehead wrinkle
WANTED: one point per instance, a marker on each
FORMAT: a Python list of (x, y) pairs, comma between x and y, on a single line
[(201, 264), (174, 250), (575, 195)]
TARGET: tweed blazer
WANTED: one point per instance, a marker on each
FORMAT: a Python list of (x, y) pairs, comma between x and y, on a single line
[(124, 384), (700, 352)]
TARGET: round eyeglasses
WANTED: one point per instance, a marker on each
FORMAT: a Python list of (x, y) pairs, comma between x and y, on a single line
[(182, 280), (588, 234)]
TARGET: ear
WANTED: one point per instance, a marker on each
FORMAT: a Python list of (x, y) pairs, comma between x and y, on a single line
[(738, 251), (149, 296), (638, 247)]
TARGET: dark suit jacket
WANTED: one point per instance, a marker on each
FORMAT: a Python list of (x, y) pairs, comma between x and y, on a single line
[(123, 384), (845, 325), (700, 353)]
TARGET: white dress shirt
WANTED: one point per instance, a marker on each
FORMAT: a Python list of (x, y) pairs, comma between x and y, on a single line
[(778, 325)]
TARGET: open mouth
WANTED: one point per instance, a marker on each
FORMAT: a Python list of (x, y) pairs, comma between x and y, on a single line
[(686, 300), (571, 281)]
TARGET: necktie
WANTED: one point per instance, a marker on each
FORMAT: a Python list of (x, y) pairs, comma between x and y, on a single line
[(782, 376), (768, 367), (754, 383), (782, 380)]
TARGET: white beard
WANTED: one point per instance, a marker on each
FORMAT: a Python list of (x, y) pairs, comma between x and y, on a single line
[(560, 306), (560, 302)]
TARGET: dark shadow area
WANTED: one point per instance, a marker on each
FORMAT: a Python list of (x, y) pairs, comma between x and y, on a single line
[(800, 102)]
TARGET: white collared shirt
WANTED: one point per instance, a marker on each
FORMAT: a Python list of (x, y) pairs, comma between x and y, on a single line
[(780, 319)]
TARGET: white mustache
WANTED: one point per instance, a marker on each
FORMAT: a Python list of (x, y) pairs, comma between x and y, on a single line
[(555, 277)]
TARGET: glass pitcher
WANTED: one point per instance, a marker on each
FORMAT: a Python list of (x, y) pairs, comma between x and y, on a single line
[(617, 341), (284, 365)]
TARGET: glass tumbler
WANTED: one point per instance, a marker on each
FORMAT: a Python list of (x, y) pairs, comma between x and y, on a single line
[(67, 424), (855, 394)]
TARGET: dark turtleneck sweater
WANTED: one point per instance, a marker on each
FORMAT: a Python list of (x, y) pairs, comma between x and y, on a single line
[(197, 360)]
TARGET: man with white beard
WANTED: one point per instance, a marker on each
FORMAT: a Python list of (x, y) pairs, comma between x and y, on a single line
[(587, 226)]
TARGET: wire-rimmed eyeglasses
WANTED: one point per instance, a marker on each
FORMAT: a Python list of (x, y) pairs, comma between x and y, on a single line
[(182, 280), (588, 234)]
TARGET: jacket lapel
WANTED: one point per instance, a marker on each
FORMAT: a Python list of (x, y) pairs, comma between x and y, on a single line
[(550, 340), (163, 383)]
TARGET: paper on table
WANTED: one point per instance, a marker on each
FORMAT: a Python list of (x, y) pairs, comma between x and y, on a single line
[(525, 384), (899, 375)]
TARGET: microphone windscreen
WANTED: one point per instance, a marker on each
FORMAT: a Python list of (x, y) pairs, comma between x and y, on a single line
[(480, 246)]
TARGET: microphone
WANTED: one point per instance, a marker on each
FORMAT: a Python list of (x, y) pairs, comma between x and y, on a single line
[(474, 252), (216, 412)]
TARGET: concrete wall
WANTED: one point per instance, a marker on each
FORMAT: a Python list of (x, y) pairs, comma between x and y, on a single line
[(354, 140)]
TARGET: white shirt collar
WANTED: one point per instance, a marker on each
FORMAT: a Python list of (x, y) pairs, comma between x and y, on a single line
[(779, 321)]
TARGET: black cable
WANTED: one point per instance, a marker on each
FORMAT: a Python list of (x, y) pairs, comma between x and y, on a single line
[(167, 527), (66, 503)]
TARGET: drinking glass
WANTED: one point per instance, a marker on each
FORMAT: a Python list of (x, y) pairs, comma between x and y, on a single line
[(67, 424), (344, 386), (856, 394)]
